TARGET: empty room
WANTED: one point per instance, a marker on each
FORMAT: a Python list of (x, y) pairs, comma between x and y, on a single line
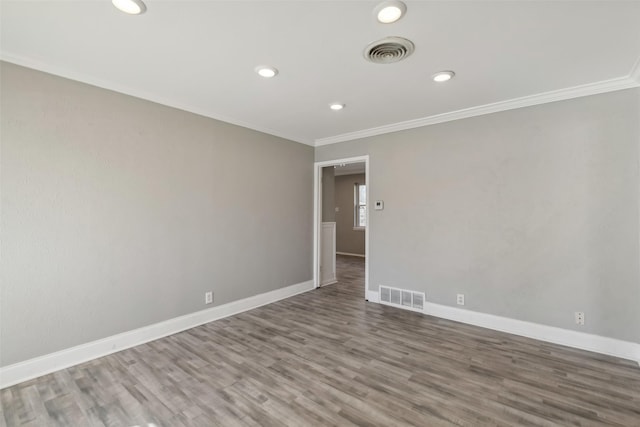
[(319, 213)]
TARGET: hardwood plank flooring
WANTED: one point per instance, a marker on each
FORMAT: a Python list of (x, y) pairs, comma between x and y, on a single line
[(327, 357)]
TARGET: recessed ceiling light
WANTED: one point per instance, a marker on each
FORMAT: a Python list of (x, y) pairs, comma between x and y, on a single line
[(266, 71), (443, 76), (389, 11), (336, 106), (132, 7)]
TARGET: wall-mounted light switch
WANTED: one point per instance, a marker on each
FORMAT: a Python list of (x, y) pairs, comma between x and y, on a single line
[(379, 205)]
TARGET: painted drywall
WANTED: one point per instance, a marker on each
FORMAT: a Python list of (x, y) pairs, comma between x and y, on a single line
[(348, 240), (118, 213), (531, 213), (328, 194)]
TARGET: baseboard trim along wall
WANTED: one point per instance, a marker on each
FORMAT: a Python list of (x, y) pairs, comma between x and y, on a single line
[(350, 254), (372, 296), (327, 283), (36, 367), (598, 344)]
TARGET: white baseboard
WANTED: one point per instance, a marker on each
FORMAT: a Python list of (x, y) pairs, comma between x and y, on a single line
[(372, 296), (32, 368), (329, 280), (598, 344), (327, 283), (569, 338), (350, 254)]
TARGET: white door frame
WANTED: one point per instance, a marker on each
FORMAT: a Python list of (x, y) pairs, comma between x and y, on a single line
[(317, 215)]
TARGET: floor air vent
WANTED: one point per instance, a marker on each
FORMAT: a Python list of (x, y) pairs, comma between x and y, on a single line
[(402, 298)]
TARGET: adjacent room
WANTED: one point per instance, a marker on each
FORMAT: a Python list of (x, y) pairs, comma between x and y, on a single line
[(344, 223), (310, 213)]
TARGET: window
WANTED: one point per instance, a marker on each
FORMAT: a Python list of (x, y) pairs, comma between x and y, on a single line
[(360, 204)]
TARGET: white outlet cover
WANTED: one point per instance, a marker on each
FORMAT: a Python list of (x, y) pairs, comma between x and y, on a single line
[(460, 299)]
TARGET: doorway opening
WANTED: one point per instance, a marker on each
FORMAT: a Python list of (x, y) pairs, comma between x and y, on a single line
[(341, 223)]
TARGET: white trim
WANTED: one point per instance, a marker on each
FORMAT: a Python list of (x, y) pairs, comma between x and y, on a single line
[(368, 227), (373, 296), (32, 368), (159, 99), (581, 340), (322, 285), (317, 223), (350, 254), (317, 213), (611, 85)]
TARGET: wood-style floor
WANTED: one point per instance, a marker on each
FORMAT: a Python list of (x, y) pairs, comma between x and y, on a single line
[(327, 357)]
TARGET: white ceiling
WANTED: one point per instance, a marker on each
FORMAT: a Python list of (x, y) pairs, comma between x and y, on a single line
[(200, 56)]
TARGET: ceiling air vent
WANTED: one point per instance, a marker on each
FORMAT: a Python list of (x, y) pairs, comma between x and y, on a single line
[(388, 50)]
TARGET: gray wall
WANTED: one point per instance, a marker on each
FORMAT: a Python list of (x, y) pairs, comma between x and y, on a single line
[(532, 213), (328, 194), (347, 239), (119, 213)]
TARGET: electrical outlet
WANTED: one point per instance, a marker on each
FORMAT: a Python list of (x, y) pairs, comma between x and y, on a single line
[(579, 317), (208, 297), (460, 299)]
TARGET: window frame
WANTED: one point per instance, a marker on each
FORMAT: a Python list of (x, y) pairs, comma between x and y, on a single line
[(357, 205)]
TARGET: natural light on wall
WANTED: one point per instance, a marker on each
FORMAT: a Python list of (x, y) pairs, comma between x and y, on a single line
[(131, 7), (360, 202)]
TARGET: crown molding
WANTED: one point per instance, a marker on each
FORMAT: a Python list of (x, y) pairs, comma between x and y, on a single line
[(631, 81), (628, 82), (104, 84)]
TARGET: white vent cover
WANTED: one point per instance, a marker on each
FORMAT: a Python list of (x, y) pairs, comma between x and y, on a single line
[(389, 50), (402, 298)]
